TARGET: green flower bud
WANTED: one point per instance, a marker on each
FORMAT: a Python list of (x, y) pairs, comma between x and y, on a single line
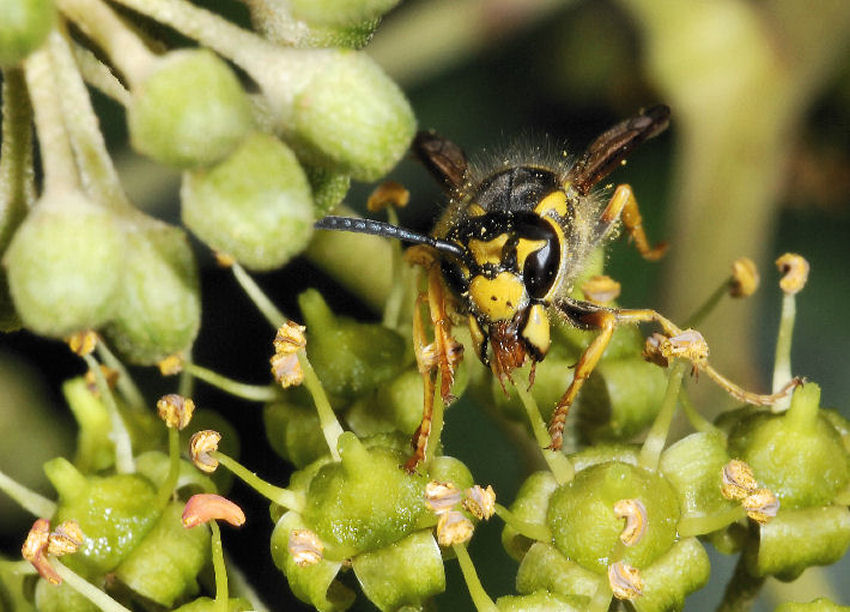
[(604, 453), (348, 115), (165, 565), (95, 451), (542, 601), (339, 12), (24, 27), (620, 399), (694, 466), (190, 110), (544, 568), (293, 431), (158, 305), (207, 604), (64, 265), (822, 604), (350, 358), (114, 512), (683, 569), (328, 187), (798, 455), (406, 573), (448, 469), (531, 505), (364, 502), (314, 584), (582, 520), (794, 540), (60, 598), (255, 206)]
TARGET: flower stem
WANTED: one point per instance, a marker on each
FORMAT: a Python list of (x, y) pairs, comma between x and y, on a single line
[(124, 463), (16, 170), (222, 594), (29, 500), (85, 588), (689, 526), (125, 384), (331, 428), (533, 531), (708, 306), (561, 467), (742, 589), (257, 393), (279, 495), (99, 75), (57, 158), (782, 358), (479, 596), (697, 421), (166, 489), (256, 295), (650, 452)]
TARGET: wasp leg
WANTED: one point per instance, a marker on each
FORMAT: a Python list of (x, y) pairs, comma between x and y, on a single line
[(605, 321), (425, 361), (623, 205), (444, 353)]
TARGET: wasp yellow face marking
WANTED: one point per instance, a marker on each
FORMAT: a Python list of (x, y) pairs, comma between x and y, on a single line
[(489, 251), (536, 330), (498, 298), (555, 202), (525, 247), (475, 210)]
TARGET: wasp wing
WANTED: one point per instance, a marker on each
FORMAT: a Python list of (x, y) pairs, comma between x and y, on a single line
[(609, 150), (444, 159)]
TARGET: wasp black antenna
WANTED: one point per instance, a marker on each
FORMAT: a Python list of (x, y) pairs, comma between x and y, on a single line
[(387, 230)]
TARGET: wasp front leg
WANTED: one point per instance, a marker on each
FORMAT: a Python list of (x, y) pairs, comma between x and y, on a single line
[(624, 206), (443, 354)]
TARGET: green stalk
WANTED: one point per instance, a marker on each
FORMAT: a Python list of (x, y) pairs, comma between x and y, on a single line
[(256, 393), (86, 589), (742, 590), (782, 359), (708, 306), (166, 489), (125, 384), (283, 497), (650, 452), (29, 500), (561, 467), (124, 462), (222, 594), (533, 531), (482, 601)]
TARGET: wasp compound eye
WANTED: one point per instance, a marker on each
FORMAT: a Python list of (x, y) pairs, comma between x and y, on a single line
[(538, 252)]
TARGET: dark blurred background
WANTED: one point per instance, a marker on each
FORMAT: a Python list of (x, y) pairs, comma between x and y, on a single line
[(756, 162)]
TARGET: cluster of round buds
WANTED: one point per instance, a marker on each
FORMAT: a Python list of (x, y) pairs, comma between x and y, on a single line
[(740, 484), (286, 367), (64, 540)]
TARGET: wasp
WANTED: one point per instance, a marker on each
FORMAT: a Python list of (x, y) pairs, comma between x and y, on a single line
[(514, 239)]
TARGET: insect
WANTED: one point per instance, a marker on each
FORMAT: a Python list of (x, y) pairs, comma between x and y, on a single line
[(514, 239)]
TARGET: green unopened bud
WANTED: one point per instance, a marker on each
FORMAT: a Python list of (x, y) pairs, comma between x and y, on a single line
[(694, 466), (158, 305), (165, 564), (255, 206), (797, 539), (23, 28), (315, 583), (531, 505), (406, 573), (542, 601), (544, 568), (190, 110), (328, 187), (585, 527), (349, 115), (59, 598), (339, 12), (293, 431), (350, 358), (680, 571), (798, 455), (364, 502), (115, 513), (64, 265)]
